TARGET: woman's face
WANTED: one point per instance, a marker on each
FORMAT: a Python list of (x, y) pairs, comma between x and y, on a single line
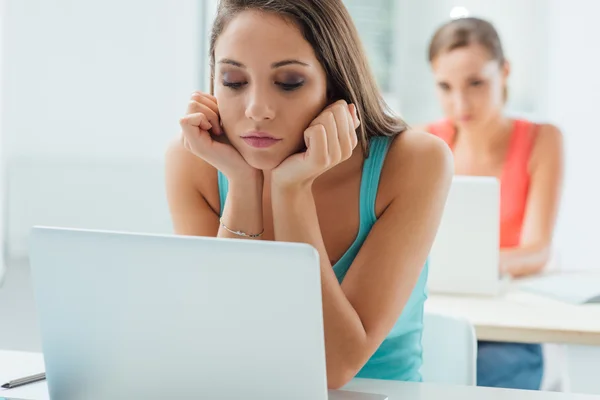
[(470, 85), (269, 87)]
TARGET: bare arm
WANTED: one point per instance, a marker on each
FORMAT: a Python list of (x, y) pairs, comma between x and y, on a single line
[(543, 202), (193, 199), (359, 314)]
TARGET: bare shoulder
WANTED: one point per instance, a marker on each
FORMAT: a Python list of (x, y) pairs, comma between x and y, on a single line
[(416, 159), (549, 137), (418, 155), (548, 146), (185, 172)]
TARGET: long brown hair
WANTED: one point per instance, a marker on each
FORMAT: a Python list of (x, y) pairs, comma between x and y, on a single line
[(328, 27), (463, 32)]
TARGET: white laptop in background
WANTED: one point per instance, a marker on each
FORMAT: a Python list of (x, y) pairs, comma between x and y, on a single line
[(464, 257), (135, 316)]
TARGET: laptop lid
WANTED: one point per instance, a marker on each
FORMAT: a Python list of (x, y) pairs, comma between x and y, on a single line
[(127, 315), (464, 258)]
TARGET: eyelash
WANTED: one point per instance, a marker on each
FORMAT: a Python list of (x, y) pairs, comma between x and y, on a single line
[(446, 88), (234, 85), (288, 87)]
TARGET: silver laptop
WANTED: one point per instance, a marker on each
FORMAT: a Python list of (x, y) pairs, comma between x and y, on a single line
[(135, 316), (464, 258)]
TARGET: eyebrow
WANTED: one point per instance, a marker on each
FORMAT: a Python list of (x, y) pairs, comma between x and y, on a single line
[(288, 62), (277, 64)]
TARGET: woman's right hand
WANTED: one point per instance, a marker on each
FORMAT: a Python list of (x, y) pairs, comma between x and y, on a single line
[(203, 136)]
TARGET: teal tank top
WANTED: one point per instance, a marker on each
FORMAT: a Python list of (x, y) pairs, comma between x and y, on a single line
[(400, 355)]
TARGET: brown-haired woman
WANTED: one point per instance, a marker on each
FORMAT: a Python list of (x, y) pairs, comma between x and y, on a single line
[(273, 154), (471, 73)]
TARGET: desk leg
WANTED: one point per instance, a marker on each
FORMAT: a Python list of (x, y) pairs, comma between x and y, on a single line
[(583, 363)]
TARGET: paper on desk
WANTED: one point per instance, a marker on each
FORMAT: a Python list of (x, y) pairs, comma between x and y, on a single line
[(34, 391), (572, 288), (14, 365)]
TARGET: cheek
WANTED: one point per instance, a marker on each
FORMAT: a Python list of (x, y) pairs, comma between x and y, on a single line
[(498, 96), (304, 113), (490, 96), (225, 96), (302, 109), (226, 114), (297, 119), (446, 101), (229, 107)]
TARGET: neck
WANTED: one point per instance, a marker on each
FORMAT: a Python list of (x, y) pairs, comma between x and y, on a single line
[(341, 172), (487, 137)]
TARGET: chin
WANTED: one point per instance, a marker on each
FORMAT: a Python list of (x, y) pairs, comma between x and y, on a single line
[(470, 123), (266, 159), (264, 162)]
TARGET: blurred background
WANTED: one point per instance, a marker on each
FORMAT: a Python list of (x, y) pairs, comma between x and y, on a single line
[(92, 91)]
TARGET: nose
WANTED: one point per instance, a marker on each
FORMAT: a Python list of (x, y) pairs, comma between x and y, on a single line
[(461, 103), (259, 106)]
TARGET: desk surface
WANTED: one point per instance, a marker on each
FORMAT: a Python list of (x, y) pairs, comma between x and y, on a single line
[(521, 316), (18, 364)]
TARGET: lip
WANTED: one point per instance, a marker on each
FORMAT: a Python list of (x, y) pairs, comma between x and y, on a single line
[(259, 134), (466, 118), (260, 140)]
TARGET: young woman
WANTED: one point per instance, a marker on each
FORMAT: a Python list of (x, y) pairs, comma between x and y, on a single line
[(471, 73), (296, 144)]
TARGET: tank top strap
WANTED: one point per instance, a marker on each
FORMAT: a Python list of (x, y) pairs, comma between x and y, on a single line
[(520, 147), (371, 175), (223, 190)]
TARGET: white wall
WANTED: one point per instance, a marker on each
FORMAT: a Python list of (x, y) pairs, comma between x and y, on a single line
[(92, 95), (573, 103), (2, 149)]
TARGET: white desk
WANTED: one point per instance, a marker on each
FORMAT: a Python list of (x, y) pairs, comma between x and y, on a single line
[(17, 364), (519, 316)]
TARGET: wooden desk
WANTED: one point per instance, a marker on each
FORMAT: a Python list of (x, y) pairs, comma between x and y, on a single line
[(17, 364)]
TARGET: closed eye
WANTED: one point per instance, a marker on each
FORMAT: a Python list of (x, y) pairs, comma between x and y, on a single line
[(234, 85), (288, 87)]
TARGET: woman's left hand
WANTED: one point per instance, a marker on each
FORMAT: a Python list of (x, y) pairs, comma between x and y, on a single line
[(330, 139)]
